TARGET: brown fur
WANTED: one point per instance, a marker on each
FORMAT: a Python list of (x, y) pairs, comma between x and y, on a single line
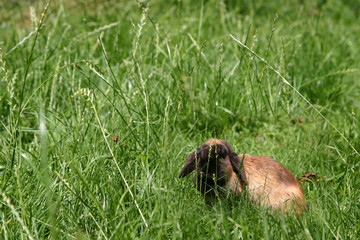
[(220, 171)]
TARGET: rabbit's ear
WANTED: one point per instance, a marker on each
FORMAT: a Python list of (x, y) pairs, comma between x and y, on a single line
[(237, 164), (189, 165)]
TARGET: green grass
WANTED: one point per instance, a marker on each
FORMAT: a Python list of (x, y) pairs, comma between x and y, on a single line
[(165, 76)]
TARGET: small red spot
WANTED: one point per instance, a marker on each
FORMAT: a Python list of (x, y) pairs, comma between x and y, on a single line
[(116, 138)]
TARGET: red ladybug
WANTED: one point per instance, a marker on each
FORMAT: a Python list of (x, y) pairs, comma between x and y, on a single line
[(116, 138)]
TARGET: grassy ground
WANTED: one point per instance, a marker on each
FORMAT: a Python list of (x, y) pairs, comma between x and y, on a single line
[(164, 76)]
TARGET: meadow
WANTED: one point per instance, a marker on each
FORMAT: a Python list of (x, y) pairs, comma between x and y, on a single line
[(276, 78)]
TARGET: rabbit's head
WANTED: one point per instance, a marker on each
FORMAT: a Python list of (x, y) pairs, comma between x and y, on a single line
[(215, 163)]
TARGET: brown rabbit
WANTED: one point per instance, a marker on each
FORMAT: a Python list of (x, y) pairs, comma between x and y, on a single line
[(220, 171)]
